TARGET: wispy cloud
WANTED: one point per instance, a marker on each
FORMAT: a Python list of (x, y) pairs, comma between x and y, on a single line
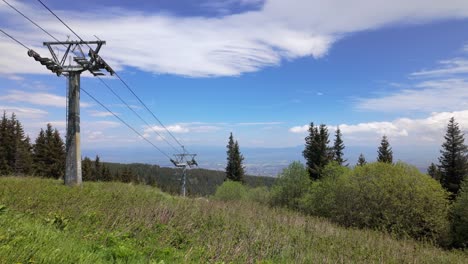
[(219, 46), (43, 99), (448, 67), (23, 112), (427, 96), (405, 131)]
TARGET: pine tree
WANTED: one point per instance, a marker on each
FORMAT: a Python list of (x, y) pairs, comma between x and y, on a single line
[(22, 151), (4, 169), (433, 171), (234, 167), (385, 153), (316, 151), (453, 160), (97, 172), (59, 155), (361, 160), (49, 154), (87, 169), (40, 153), (338, 147)]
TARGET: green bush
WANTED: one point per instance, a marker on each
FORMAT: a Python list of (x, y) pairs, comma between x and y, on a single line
[(259, 195), (396, 198), (230, 191), (460, 217), (290, 186), (320, 197)]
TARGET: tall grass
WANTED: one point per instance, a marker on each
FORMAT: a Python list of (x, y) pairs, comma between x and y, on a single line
[(43, 221)]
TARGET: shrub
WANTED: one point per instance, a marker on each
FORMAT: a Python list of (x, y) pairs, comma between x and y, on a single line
[(291, 185), (230, 191), (460, 217), (259, 195), (396, 198), (320, 197)]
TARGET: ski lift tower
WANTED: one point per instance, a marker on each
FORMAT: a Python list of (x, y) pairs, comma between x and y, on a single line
[(183, 161), (91, 62)]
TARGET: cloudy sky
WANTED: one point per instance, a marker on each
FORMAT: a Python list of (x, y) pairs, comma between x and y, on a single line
[(260, 69)]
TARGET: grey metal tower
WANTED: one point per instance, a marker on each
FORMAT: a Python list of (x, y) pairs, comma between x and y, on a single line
[(91, 62), (183, 161)]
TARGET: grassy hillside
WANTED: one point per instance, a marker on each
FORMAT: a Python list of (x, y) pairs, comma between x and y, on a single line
[(42, 221)]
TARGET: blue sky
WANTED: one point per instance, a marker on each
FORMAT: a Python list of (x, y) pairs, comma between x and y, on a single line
[(260, 69)]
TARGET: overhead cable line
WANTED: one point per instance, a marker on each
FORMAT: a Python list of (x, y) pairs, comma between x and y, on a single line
[(17, 41), (101, 104), (120, 78), (102, 81), (129, 126), (30, 20), (131, 109)]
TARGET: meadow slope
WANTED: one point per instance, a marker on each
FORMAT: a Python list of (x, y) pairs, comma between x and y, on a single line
[(42, 221)]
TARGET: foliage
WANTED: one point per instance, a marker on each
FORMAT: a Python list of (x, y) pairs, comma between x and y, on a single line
[(453, 160), (290, 186), (234, 167), (460, 217), (259, 195), (49, 154), (385, 153), (15, 147), (320, 198), (316, 152), (107, 222), (395, 198), (231, 191), (361, 160), (338, 147), (434, 172)]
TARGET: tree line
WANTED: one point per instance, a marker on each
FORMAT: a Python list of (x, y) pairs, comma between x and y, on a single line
[(46, 156)]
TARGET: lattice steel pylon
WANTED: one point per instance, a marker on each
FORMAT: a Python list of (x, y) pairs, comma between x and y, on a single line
[(183, 161), (91, 62)]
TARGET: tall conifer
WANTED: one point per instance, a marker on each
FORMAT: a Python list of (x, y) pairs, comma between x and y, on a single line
[(385, 153), (453, 160)]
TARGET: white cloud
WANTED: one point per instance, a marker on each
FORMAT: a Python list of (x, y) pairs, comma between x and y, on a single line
[(45, 99), (428, 96), (449, 67), (23, 112), (299, 129), (220, 46), (95, 113), (177, 128), (404, 131)]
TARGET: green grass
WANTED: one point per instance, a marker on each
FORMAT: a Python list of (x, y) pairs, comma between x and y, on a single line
[(42, 221)]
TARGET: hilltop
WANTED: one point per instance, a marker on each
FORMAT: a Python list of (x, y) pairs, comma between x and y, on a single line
[(45, 222)]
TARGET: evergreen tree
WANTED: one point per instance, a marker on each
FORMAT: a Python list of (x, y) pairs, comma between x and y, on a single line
[(453, 160), (97, 172), (49, 154), (433, 171), (106, 174), (234, 167), (361, 160), (338, 147), (316, 151), (22, 151), (87, 169), (4, 168), (15, 147), (40, 153), (385, 153), (59, 155)]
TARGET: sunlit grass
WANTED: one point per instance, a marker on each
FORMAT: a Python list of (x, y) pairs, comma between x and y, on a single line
[(46, 222)]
